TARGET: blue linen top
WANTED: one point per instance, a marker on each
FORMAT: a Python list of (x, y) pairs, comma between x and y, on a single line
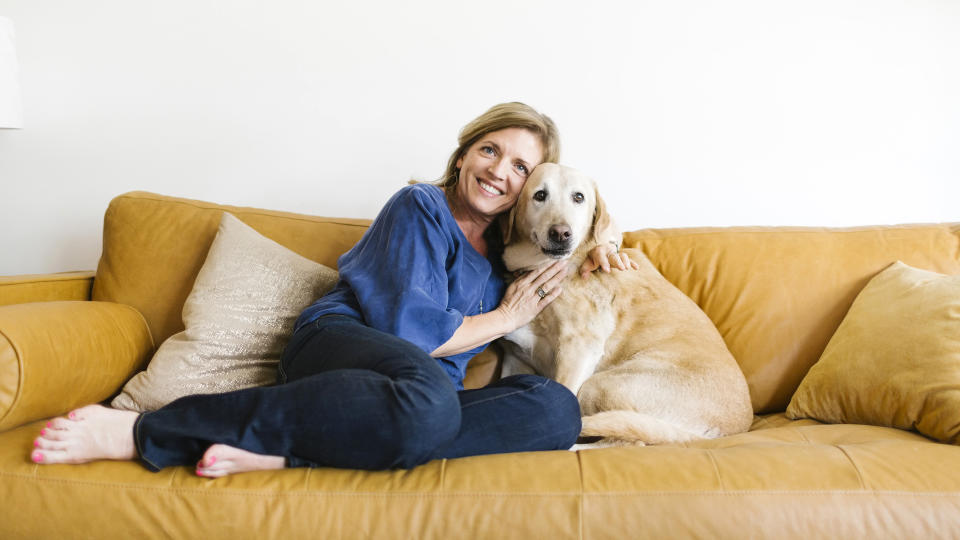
[(415, 275)]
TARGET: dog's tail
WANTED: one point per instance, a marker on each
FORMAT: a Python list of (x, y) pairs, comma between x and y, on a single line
[(625, 425)]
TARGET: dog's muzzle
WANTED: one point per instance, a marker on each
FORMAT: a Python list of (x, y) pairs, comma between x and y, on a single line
[(560, 241)]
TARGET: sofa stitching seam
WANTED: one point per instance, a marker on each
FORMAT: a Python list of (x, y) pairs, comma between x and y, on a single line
[(793, 230), (237, 209), (762, 492), (153, 342), (581, 498), (443, 475), (716, 469), (18, 394), (802, 435), (89, 277), (863, 485)]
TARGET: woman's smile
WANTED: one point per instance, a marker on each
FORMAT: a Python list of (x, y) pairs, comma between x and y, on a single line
[(493, 170)]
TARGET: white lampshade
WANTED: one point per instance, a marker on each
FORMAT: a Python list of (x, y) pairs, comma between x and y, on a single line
[(11, 115)]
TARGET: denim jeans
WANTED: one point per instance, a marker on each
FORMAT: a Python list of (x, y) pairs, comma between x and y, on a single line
[(353, 397)]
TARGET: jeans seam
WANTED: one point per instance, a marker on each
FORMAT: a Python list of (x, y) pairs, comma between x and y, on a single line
[(138, 446), (281, 373), (520, 391)]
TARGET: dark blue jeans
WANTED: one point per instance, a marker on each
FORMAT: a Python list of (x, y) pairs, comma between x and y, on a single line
[(353, 397)]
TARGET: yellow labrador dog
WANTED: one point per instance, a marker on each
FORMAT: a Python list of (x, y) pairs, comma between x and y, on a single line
[(646, 364)]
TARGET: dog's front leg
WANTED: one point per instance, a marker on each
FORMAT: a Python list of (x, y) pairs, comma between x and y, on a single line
[(576, 362), (516, 360)]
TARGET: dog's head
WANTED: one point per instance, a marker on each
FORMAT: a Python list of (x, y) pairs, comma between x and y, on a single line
[(558, 213)]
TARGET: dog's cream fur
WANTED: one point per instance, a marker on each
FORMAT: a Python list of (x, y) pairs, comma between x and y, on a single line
[(645, 362)]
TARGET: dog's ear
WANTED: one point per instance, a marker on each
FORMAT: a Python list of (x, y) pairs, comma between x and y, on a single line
[(601, 219)]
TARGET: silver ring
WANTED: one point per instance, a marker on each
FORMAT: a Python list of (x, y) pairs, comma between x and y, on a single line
[(541, 292)]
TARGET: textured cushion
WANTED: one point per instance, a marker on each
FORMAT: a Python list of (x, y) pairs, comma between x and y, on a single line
[(894, 360), (154, 246), (238, 318)]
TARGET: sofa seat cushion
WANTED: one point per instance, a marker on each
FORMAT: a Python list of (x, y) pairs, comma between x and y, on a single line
[(795, 478)]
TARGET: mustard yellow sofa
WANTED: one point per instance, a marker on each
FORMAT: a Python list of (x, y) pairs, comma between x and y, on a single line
[(776, 295)]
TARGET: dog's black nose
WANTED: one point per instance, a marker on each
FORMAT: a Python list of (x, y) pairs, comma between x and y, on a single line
[(560, 234)]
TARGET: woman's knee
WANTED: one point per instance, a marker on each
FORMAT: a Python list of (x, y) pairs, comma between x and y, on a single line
[(557, 407), (421, 429)]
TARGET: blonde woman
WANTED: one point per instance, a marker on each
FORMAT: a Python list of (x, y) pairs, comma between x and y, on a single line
[(372, 377)]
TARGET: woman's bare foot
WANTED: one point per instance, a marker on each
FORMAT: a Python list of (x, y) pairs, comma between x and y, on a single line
[(87, 434), (221, 460)]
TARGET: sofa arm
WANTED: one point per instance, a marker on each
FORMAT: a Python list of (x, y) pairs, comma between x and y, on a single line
[(45, 287), (56, 356)]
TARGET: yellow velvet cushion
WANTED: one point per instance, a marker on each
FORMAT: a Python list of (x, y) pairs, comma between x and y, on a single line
[(894, 360), (238, 319)]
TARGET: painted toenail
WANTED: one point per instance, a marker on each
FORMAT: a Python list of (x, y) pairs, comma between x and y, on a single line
[(213, 459), (36, 444), (48, 424), (72, 415), (38, 457), (43, 432)]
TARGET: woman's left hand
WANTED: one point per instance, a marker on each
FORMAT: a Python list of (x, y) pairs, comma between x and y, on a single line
[(604, 256)]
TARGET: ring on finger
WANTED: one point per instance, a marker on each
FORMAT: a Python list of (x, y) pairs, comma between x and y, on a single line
[(541, 293)]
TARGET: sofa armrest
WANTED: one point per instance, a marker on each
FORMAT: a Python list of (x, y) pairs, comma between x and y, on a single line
[(56, 356), (45, 287)]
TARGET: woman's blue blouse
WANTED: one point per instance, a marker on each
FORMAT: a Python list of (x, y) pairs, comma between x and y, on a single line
[(415, 275)]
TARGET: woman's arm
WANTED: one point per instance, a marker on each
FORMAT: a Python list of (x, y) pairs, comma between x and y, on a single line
[(521, 303)]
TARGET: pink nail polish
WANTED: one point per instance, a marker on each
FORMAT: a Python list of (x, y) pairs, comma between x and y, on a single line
[(213, 459), (36, 444), (43, 432), (72, 415), (48, 424), (38, 457)]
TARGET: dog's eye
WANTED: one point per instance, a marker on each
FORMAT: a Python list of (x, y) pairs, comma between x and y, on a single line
[(578, 197), (540, 196)]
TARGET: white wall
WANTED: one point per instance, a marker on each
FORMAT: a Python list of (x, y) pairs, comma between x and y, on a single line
[(691, 112)]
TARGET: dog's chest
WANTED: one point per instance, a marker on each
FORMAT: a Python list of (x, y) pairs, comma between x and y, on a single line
[(581, 317)]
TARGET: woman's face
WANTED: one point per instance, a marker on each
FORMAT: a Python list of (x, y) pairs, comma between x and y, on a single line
[(493, 170)]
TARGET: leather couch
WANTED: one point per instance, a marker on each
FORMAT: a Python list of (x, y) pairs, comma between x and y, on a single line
[(775, 294)]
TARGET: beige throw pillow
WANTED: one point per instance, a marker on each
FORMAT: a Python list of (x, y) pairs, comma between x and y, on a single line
[(894, 360), (238, 318)]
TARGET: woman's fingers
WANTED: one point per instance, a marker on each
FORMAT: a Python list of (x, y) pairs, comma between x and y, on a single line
[(556, 270), (551, 296)]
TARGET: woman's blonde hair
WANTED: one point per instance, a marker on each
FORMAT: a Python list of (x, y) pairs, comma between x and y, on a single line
[(503, 116)]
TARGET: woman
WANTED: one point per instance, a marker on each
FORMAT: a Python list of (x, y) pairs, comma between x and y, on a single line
[(372, 377)]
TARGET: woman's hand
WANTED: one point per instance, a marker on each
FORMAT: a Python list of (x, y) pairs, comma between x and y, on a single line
[(531, 293), (521, 303), (603, 256)]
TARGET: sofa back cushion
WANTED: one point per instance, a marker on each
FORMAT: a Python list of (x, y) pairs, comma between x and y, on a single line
[(154, 246), (778, 294)]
